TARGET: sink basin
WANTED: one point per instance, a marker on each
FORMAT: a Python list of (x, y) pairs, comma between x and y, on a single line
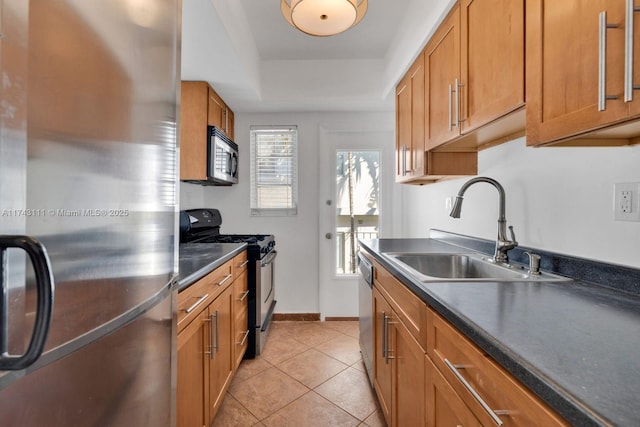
[(431, 267)]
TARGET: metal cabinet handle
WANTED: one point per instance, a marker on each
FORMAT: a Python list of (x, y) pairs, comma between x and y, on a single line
[(195, 304), (454, 88), (244, 295), (602, 61), (450, 106), (227, 277), (244, 338), (384, 336), (215, 334), (404, 160), (45, 292), (629, 87), (481, 401), (210, 321), (244, 263)]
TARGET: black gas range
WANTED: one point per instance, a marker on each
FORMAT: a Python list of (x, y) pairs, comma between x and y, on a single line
[(203, 226)]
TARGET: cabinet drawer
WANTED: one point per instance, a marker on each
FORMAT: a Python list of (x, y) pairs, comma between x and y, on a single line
[(240, 264), (240, 295), (409, 308), (196, 297), (461, 361), (444, 406), (191, 302)]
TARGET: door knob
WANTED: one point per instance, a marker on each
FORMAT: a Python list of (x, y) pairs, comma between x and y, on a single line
[(328, 236)]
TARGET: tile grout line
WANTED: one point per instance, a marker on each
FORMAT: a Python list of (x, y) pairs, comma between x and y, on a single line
[(293, 334)]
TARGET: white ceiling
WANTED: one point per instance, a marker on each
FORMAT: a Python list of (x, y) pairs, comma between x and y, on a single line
[(257, 62)]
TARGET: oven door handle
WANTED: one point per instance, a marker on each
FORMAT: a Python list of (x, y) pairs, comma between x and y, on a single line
[(269, 258)]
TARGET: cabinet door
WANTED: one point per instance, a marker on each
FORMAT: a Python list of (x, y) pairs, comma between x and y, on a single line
[(231, 123), (216, 111), (562, 67), (190, 392), (193, 130), (410, 122), (403, 128), (409, 401), (221, 356), (442, 68), (382, 341), (444, 407), (492, 60)]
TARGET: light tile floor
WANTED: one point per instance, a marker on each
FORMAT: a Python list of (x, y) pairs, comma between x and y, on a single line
[(309, 374)]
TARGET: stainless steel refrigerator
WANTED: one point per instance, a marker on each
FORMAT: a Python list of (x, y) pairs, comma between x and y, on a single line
[(88, 208)]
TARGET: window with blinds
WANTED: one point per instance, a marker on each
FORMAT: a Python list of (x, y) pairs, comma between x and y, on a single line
[(274, 170)]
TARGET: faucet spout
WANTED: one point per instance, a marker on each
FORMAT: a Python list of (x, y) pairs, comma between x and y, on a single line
[(503, 244)]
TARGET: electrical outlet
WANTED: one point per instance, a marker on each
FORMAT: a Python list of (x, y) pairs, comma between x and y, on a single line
[(626, 201), (448, 204)]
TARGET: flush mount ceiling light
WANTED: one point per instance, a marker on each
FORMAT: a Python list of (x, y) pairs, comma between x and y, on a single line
[(323, 17)]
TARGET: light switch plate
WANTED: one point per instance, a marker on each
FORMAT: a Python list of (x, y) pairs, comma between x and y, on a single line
[(626, 201)]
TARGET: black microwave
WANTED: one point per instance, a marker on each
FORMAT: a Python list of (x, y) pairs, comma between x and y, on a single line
[(222, 158)]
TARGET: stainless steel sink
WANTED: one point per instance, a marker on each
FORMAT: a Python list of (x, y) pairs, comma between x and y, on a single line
[(432, 267)]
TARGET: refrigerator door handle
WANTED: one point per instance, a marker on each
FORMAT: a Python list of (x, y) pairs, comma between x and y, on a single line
[(45, 288)]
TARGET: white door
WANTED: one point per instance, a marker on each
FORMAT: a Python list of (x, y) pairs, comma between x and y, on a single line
[(356, 169)]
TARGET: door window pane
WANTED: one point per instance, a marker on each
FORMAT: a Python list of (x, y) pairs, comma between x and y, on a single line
[(357, 207)]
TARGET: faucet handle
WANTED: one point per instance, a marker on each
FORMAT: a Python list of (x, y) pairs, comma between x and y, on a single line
[(534, 263)]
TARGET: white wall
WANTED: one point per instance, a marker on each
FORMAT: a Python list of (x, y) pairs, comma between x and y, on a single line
[(297, 238), (558, 199)]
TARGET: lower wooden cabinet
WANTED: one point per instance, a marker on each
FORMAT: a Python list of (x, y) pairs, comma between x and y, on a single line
[(241, 318), (398, 367), (444, 407), (191, 373), (221, 346), (382, 340), (490, 392), (409, 375), (208, 350), (425, 369)]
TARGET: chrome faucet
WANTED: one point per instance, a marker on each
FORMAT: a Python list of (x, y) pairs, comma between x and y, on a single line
[(503, 245)]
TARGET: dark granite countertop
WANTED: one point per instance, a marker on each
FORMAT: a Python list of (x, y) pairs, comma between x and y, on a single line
[(198, 259), (574, 344)]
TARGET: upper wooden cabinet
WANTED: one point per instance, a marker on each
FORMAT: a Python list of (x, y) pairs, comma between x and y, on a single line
[(220, 115), (200, 106), (576, 64), (442, 60), (414, 165), (492, 62), (474, 66), (410, 123)]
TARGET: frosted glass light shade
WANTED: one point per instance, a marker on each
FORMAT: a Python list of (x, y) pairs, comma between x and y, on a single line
[(323, 17)]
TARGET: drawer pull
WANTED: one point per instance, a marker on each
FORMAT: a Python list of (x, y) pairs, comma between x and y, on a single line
[(491, 412), (227, 277), (244, 263), (244, 295), (244, 338), (195, 304)]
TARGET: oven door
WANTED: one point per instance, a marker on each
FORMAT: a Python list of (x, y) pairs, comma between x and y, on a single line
[(265, 296), (267, 286)]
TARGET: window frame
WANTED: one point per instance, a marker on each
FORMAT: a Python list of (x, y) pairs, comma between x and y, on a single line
[(254, 202)]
